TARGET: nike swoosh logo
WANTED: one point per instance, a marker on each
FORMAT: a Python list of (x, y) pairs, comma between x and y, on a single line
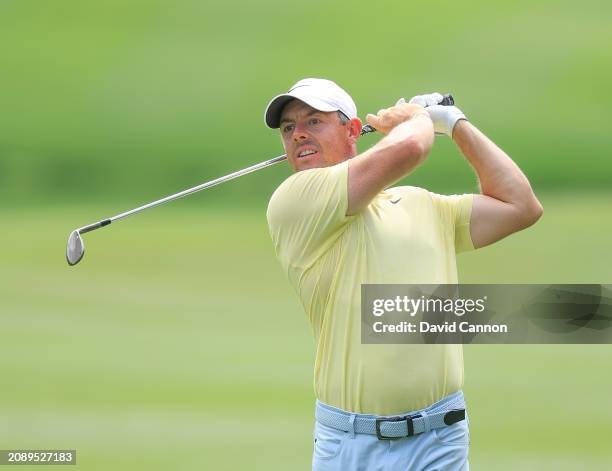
[(395, 201)]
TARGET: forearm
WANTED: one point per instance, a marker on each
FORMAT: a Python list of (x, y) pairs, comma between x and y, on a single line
[(499, 176), (393, 157), (406, 145)]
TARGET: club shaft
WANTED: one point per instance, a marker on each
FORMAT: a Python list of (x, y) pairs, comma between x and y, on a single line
[(94, 226), (188, 191), (202, 186)]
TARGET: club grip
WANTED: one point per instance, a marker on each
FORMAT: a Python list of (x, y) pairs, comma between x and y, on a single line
[(447, 100)]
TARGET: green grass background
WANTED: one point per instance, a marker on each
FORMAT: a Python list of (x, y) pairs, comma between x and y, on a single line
[(177, 343)]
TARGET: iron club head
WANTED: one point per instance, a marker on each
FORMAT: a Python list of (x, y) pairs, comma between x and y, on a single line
[(75, 249)]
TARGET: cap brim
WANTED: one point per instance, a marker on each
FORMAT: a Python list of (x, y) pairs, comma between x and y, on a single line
[(275, 108), (276, 105)]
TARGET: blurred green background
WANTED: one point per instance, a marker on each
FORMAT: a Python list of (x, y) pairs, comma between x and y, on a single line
[(178, 343)]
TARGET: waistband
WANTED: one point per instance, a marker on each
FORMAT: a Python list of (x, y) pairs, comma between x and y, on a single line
[(445, 412)]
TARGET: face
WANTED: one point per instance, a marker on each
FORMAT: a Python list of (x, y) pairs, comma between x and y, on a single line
[(314, 139)]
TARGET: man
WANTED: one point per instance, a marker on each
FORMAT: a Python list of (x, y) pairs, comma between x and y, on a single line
[(336, 224)]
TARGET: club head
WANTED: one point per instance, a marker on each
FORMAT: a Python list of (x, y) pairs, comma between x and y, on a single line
[(75, 249)]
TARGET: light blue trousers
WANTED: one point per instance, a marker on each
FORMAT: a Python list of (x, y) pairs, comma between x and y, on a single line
[(443, 449)]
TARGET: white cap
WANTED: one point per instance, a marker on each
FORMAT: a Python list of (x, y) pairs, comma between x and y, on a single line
[(321, 94)]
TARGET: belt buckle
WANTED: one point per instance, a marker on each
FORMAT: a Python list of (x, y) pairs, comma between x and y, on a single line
[(409, 424)]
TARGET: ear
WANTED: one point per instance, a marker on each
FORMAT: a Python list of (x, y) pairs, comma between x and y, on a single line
[(354, 129)]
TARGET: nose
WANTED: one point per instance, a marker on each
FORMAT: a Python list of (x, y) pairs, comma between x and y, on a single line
[(299, 132)]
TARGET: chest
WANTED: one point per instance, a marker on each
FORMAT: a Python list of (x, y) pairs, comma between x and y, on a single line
[(397, 230)]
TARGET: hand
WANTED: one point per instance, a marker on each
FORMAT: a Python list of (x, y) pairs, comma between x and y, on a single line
[(386, 119), (444, 117)]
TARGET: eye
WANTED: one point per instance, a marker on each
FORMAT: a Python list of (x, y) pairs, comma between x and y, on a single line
[(288, 128), (314, 121)]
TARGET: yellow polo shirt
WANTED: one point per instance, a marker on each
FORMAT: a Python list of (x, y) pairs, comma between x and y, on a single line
[(406, 235)]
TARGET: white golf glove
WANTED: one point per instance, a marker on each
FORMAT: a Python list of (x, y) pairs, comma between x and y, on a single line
[(444, 117)]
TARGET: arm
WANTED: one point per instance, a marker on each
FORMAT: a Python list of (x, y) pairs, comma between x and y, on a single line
[(506, 203), (409, 137)]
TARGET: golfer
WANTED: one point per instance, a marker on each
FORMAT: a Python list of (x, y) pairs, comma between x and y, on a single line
[(337, 223)]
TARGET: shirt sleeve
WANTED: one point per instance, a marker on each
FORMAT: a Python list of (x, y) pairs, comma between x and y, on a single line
[(455, 211), (307, 214)]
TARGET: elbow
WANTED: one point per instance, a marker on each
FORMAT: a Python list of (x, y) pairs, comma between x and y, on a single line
[(415, 150), (531, 213)]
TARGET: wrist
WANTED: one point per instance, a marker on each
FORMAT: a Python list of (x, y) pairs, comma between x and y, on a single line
[(460, 127), (453, 116), (421, 114)]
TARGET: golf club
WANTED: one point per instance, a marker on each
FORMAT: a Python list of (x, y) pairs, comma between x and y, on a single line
[(75, 249)]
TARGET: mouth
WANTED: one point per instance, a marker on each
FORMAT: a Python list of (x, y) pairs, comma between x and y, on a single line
[(304, 153)]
